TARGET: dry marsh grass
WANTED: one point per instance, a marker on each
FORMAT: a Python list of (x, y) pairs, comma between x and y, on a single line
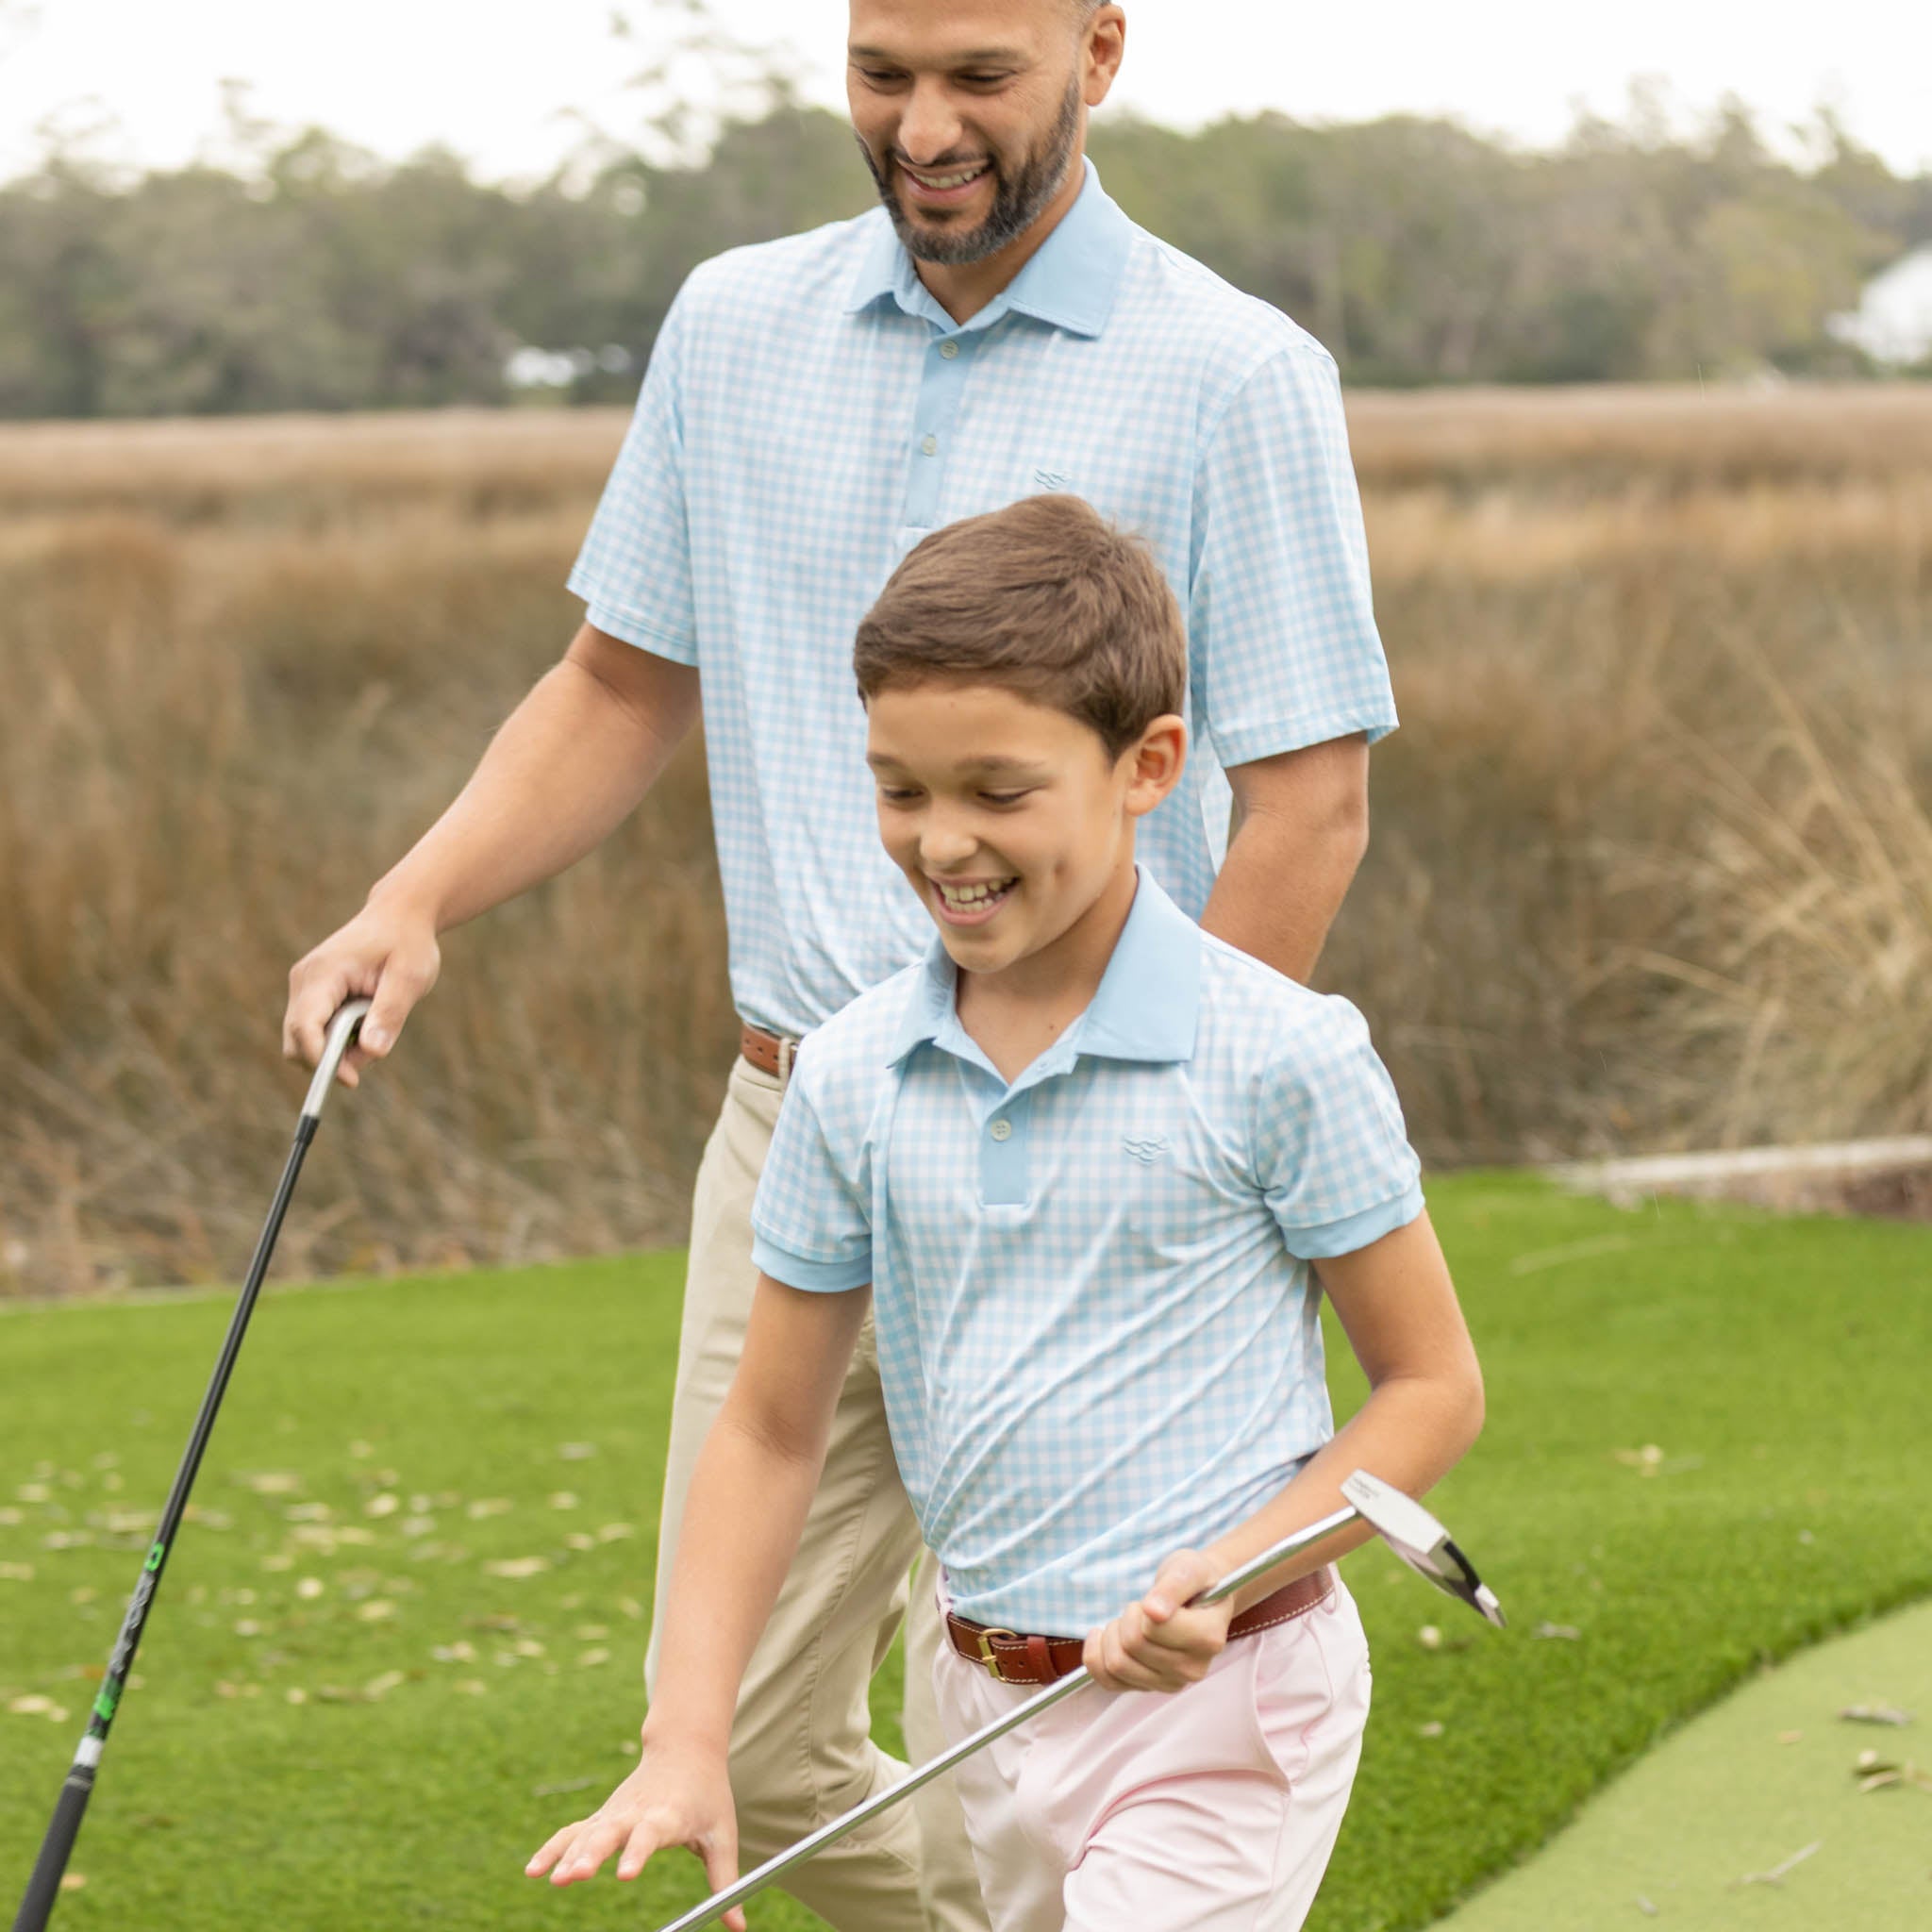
[(1652, 863)]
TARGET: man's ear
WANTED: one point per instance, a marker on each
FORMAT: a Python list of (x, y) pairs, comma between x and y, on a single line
[(1154, 764)]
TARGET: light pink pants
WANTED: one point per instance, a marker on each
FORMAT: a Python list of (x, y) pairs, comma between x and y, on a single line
[(1213, 1809)]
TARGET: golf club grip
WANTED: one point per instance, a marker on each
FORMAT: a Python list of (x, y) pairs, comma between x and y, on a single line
[(43, 1888)]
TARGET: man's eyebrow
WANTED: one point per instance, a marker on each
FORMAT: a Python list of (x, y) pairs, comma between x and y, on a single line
[(981, 56)]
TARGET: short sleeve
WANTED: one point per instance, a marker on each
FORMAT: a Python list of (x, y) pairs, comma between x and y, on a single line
[(634, 570), (1281, 625), (810, 1224), (1333, 1156)]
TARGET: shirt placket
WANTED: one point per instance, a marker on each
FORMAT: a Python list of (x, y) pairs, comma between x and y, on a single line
[(935, 423)]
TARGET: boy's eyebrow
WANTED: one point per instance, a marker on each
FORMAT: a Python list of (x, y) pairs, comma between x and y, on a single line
[(992, 762)]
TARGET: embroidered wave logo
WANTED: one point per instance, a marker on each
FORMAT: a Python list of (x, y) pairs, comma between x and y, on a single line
[(1050, 480), (1145, 1148)]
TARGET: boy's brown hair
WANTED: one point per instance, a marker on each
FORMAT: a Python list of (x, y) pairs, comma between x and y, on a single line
[(1042, 598)]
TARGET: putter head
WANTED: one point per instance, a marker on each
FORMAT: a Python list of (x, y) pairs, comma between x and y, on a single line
[(1421, 1542)]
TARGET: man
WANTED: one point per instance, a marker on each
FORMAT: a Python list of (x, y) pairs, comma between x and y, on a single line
[(813, 408)]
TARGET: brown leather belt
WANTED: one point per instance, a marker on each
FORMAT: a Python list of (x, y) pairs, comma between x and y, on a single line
[(768, 1053), (1016, 1660)]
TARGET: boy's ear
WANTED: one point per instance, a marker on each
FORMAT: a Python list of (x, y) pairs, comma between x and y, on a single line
[(1154, 764)]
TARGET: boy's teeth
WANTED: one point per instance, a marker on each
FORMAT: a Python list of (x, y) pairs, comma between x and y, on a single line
[(962, 896)]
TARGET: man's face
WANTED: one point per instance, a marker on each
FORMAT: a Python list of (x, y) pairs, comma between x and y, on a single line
[(970, 112), (1007, 817)]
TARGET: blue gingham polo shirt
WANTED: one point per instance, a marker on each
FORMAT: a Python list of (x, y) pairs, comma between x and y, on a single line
[(811, 412), (1096, 1322)]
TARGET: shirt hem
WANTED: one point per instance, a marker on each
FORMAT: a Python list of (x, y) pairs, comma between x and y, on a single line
[(633, 630), (1245, 748)]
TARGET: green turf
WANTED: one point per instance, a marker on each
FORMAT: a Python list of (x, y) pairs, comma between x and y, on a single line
[(1787, 1835), (1777, 1365)]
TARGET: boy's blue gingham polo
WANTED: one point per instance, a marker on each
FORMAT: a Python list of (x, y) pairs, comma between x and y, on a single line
[(811, 412), (1096, 1323)]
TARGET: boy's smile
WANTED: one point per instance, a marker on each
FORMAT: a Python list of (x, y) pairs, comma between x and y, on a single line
[(1013, 824)]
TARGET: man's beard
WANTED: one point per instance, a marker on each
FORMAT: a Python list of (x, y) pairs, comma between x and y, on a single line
[(1018, 200)]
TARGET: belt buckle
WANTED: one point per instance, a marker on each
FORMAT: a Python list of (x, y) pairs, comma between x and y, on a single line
[(987, 1653)]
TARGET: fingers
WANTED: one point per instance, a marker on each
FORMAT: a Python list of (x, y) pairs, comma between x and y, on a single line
[(594, 1840), (720, 1852), (392, 962)]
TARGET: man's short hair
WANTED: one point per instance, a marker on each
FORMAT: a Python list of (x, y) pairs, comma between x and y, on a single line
[(1042, 598)]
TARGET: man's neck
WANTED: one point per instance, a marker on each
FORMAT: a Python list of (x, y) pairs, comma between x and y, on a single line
[(963, 289)]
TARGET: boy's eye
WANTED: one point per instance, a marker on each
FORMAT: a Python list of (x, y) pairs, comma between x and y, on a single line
[(898, 794), (1003, 798)]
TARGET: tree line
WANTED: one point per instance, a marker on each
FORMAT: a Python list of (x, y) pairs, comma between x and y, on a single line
[(314, 275)]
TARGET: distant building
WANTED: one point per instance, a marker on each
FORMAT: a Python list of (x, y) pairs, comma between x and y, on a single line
[(1892, 323)]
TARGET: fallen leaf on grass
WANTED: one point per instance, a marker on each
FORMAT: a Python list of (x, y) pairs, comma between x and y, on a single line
[(1566, 1633), (381, 1687), (73, 1881), (472, 1687), (457, 1652), (1789, 1736), (615, 1532), (590, 1659), (1432, 1729), (1429, 1637), (631, 1609), (377, 1610), (273, 1482), (385, 1505), (1777, 1874), (1644, 1906), (310, 1589), (594, 1632), (558, 1789), (577, 1540), (575, 1452), (295, 1695), (31, 1706), (517, 1567), (489, 1505), (563, 1499), (1875, 1774), (16, 1573), (1874, 1714)]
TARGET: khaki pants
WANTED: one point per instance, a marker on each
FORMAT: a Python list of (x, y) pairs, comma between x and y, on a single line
[(801, 1746)]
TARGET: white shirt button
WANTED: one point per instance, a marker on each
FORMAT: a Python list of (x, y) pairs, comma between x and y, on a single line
[(1001, 1130), (931, 445), (949, 349)]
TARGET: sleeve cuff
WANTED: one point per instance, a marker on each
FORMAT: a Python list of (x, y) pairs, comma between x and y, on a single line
[(814, 1278), (631, 629), (1253, 742), (1353, 1231)]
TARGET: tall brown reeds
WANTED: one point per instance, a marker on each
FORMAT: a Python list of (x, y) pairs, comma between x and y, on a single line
[(1651, 862)]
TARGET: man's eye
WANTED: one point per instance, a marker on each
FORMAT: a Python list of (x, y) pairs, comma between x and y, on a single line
[(982, 79)]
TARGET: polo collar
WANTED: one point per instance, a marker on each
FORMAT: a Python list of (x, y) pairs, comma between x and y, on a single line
[(1146, 1008), (1071, 282)]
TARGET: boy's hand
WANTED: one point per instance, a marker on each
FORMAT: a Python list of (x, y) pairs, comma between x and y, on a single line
[(677, 1796), (1157, 1643)]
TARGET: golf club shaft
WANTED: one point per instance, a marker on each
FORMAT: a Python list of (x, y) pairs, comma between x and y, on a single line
[(43, 1886), (721, 1902)]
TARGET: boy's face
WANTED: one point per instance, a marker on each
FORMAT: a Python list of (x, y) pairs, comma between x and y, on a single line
[(1008, 817)]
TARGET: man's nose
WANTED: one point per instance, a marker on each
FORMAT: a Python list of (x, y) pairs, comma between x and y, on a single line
[(929, 128)]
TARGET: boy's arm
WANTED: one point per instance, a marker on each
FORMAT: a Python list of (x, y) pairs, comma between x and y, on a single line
[(749, 1493), (1398, 1305)]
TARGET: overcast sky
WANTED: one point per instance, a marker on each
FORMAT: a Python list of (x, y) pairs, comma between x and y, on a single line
[(393, 74)]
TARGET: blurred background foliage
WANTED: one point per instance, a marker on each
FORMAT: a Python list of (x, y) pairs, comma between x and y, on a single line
[(301, 272)]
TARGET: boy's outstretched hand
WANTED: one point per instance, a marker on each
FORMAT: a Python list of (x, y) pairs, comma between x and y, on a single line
[(677, 1796), (1158, 1643)]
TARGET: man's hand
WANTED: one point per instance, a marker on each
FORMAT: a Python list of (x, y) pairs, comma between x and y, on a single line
[(387, 952), (678, 1795), (1158, 1643)]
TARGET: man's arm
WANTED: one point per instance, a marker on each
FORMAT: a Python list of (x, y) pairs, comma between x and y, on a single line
[(1301, 827), (565, 769), (749, 1495)]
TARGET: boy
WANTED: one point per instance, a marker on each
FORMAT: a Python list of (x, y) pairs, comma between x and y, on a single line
[(1080, 1162)]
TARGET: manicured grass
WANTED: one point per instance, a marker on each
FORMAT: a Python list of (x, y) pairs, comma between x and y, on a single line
[(1777, 1365)]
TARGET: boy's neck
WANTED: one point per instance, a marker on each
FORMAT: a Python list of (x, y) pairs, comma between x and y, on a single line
[(1015, 1014)]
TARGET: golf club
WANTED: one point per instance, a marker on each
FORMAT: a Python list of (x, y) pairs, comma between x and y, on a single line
[(1401, 1521), (58, 1847)]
